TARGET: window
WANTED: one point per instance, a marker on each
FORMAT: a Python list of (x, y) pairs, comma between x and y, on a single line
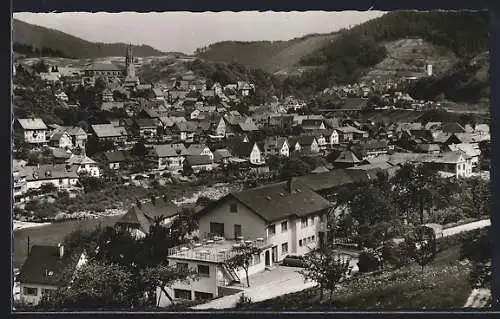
[(46, 292), (303, 222), (312, 220), (321, 218), (284, 226), (300, 242), (272, 229), (204, 271), (29, 291), (198, 295), (313, 238), (284, 248), (233, 208), (182, 294), (182, 266)]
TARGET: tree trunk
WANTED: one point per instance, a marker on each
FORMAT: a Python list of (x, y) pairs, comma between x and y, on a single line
[(421, 212), (248, 280)]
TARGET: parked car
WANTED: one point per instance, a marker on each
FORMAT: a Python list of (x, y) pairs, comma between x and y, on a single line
[(294, 261)]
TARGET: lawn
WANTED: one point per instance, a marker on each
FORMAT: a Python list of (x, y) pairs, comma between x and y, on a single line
[(443, 284)]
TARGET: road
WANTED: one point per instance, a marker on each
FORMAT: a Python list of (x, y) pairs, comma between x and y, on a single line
[(265, 285), (467, 227)]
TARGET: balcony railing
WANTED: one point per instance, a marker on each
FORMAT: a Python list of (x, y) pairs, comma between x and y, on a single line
[(217, 250)]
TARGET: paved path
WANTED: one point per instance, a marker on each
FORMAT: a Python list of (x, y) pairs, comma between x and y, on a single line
[(266, 285), (467, 227)]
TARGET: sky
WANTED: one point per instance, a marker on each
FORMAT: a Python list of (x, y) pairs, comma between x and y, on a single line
[(187, 31)]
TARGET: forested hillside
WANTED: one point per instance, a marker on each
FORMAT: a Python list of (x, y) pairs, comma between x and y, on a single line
[(33, 40), (270, 56), (355, 51)]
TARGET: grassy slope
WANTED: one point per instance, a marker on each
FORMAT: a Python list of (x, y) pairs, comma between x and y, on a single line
[(37, 36), (269, 56), (443, 284)]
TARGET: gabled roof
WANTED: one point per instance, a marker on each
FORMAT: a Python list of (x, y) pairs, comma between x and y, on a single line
[(169, 150), (221, 154), (467, 148), (143, 217), (470, 137), (347, 157), (349, 129), (145, 123), (117, 156), (32, 124), (334, 178), (277, 201), (58, 135), (428, 147), (150, 113), (248, 126), (452, 128), (275, 141), (108, 130), (48, 172), (196, 149), (305, 140), (108, 106), (320, 169), (80, 160), (311, 123), (241, 149), (199, 160), (44, 266)]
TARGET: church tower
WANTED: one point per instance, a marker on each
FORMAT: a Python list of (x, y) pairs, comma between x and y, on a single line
[(129, 62)]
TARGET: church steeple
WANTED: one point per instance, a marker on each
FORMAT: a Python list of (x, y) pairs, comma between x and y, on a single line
[(129, 61)]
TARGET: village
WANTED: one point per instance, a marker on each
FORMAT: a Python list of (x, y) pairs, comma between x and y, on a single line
[(286, 164)]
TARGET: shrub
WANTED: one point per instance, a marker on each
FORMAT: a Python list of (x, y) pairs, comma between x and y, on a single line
[(368, 261), (243, 301), (394, 254)]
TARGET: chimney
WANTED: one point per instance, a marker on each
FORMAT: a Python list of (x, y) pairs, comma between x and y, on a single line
[(61, 250), (289, 185)]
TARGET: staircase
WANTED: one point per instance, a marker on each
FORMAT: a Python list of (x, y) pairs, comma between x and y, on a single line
[(231, 273)]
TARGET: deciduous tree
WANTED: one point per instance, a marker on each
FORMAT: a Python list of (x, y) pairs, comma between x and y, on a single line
[(244, 253)]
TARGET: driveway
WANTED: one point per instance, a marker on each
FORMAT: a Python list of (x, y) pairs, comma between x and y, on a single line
[(265, 285), (467, 227)]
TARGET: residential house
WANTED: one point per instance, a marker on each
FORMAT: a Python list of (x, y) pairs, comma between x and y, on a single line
[(471, 150), (245, 88), (185, 131), (117, 159), (44, 270), (167, 156), (219, 128), (249, 151), (280, 219), (217, 88), (61, 176), (349, 133), (307, 144), (346, 159), (141, 216), (200, 150), (84, 165), (109, 132), (60, 139), (482, 129), (200, 162), (149, 113), (327, 184), (276, 146), (311, 124), (61, 96), (222, 156), (31, 130), (146, 127), (472, 138), (371, 148)]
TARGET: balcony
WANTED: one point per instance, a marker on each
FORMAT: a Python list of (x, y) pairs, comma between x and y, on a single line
[(217, 250)]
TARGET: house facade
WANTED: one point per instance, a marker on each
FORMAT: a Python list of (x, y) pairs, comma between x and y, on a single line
[(61, 140), (60, 175), (167, 156), (42, 269), (31, 131), (84, 165)]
